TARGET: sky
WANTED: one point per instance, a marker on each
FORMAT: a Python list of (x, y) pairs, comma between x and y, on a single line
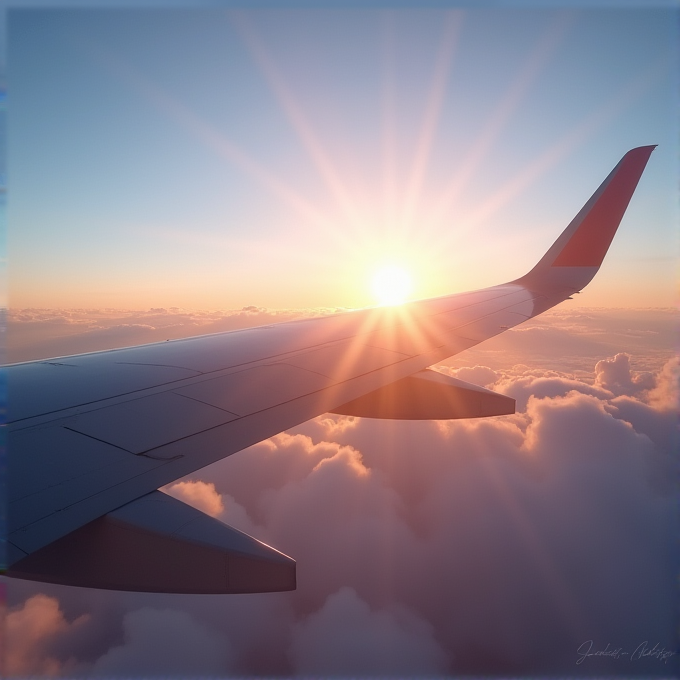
[(216, 158)]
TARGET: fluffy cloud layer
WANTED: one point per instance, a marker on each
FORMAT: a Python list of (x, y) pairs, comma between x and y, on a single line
[(496, 546)]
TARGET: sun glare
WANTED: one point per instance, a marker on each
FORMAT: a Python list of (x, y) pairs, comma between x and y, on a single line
[(391, 285)]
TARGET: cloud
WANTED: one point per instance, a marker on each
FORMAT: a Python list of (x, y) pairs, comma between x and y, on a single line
[(477, 375), (532, 519), (199, 494), (471, 522), (166, 643), (666, 393), (615, 375), (522, 388), (30, 630), (345, 637), (42, 333), (204, 497), (334, 519), (573, 341)]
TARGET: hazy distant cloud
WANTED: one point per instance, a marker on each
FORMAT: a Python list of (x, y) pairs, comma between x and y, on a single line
[(573, 341), (43, 333), (121, 332)]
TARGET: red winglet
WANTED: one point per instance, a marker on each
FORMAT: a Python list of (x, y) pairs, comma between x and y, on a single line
[(589, 243)]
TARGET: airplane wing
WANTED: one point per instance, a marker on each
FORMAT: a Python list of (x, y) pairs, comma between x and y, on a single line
[(92, 437)]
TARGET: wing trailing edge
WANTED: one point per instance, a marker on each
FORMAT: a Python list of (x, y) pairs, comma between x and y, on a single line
[(159, 544), (429, 395)]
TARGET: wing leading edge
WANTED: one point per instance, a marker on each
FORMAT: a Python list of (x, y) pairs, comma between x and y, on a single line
[(92, 437)]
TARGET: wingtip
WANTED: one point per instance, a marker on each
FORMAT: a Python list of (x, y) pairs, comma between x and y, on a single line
[(647, 148), (596, 224), (578, 252)]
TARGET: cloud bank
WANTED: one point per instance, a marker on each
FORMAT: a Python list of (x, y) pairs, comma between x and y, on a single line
[(481, 547)]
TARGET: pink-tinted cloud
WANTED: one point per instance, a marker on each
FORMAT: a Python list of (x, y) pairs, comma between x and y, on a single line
[(199, 494), (666, 394), (42, 333), (616, 376), (29, 632), (493, 517), (574, 340), (204, 497), (340, 515), (477, 375), (522, 388)]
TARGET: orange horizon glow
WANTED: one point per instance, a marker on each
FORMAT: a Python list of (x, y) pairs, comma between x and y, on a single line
[(326, 251)]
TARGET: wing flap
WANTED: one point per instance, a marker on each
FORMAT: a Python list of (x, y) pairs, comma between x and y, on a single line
[(156, 543), (429, 395)]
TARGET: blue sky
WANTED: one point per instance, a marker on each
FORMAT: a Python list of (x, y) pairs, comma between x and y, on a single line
[(207, 158)]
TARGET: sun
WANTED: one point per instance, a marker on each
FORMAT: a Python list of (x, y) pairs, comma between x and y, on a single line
[(391, 285)]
